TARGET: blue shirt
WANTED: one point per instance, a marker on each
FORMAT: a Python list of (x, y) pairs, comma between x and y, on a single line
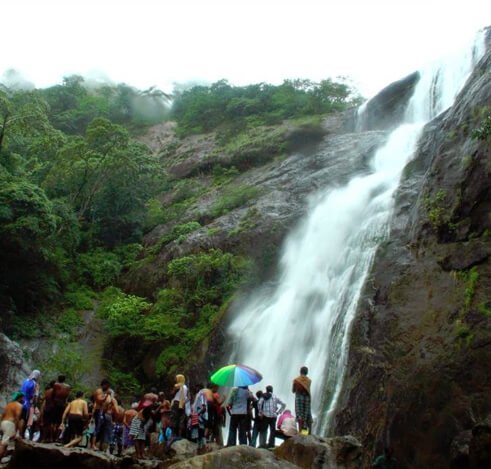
[(29, 390)]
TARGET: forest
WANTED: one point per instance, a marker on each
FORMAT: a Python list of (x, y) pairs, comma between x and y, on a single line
[(79, 190)]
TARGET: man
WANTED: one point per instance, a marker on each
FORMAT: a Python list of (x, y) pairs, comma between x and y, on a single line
[(59, 396), (30, 390), (238, 407), (47, 409), (301, 388), (258, 422), (76, 413), (11, 421), (268, 411), (104, 403), (118, 416)]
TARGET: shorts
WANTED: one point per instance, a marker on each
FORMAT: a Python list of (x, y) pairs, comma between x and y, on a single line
[(9, 430), (75, 425)]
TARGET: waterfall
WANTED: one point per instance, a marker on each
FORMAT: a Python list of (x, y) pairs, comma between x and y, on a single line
[(305, 317)]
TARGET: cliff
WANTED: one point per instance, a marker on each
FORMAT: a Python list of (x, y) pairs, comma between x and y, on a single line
[(418, 373)]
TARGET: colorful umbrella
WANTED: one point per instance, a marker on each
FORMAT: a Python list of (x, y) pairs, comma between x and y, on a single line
[(236, 375)]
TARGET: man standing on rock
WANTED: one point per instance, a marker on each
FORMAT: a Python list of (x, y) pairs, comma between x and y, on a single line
[(268, 410), (59, 397), (30, 390), (11, 421), (301, 388), (238, 406), (104, 404)]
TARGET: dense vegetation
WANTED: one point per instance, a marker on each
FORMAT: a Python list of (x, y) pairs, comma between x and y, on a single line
[(78, 192), (234, 108)]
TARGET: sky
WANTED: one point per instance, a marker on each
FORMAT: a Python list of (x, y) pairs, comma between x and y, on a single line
[(160, 42)]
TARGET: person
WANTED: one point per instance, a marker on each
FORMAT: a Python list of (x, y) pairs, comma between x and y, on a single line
[(59, 396), (238, 407), (385, 461), (118, 429), (11, 422), (75, 414), (216, 431), (287, 426), (179, 406), (200, 411), (148, 399), (128, 417), (137, 431), (30, 390), (268, 410), (258, 422), (166, 436), (104, 402), (47, 409), (301, 389)]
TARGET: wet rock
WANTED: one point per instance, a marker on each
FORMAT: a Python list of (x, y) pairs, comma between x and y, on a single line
[(386, 110), (13, 368), (480, 445), (321, 453), (428, 380), (29, 455), (237, 457), (459, 450)]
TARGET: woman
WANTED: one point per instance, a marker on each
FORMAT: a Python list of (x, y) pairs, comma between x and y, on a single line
[(179, 405)]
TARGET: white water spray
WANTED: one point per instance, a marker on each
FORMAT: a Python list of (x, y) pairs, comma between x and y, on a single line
[(305, 319)]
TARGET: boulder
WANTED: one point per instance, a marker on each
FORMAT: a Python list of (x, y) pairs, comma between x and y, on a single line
[(13, 368), (236, 457), (480, 445), (29, 455), (311, 452)]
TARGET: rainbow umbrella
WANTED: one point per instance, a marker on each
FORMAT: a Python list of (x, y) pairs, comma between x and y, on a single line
[(236, 375)]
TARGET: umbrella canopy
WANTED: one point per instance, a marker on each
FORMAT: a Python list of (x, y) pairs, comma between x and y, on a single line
[(236, 375)]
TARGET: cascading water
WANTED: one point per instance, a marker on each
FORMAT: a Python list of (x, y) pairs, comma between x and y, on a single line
[(305, 318)]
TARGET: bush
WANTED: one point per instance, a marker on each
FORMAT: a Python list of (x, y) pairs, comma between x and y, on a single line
[(99, 268), (233, 197)]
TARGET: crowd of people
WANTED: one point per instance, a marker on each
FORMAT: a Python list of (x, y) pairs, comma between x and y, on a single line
[(102, 422)]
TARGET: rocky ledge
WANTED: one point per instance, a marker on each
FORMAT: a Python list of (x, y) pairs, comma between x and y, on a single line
[(298, 452)]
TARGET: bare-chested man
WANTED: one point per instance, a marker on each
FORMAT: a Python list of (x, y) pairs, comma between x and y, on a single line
[(47, 408), (76, 414), (11, 421), (59, 396), (104, 404), (118, 427)]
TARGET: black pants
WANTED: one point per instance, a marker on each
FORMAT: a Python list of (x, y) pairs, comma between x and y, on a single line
[(237, 422), (269, 422)]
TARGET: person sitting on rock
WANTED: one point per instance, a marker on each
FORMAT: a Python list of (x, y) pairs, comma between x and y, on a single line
[(11, 422), (76, 414), (287, 425)]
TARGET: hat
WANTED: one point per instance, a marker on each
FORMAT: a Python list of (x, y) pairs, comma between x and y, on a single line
[(16, 395)]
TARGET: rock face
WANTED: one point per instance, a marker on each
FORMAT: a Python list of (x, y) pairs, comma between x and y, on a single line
[(237, 457), (312, 452), (386, 110), (29, 455), (13, 368), (418, 374)]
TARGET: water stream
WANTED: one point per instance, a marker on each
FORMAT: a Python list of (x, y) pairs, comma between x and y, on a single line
[(305, 317)]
